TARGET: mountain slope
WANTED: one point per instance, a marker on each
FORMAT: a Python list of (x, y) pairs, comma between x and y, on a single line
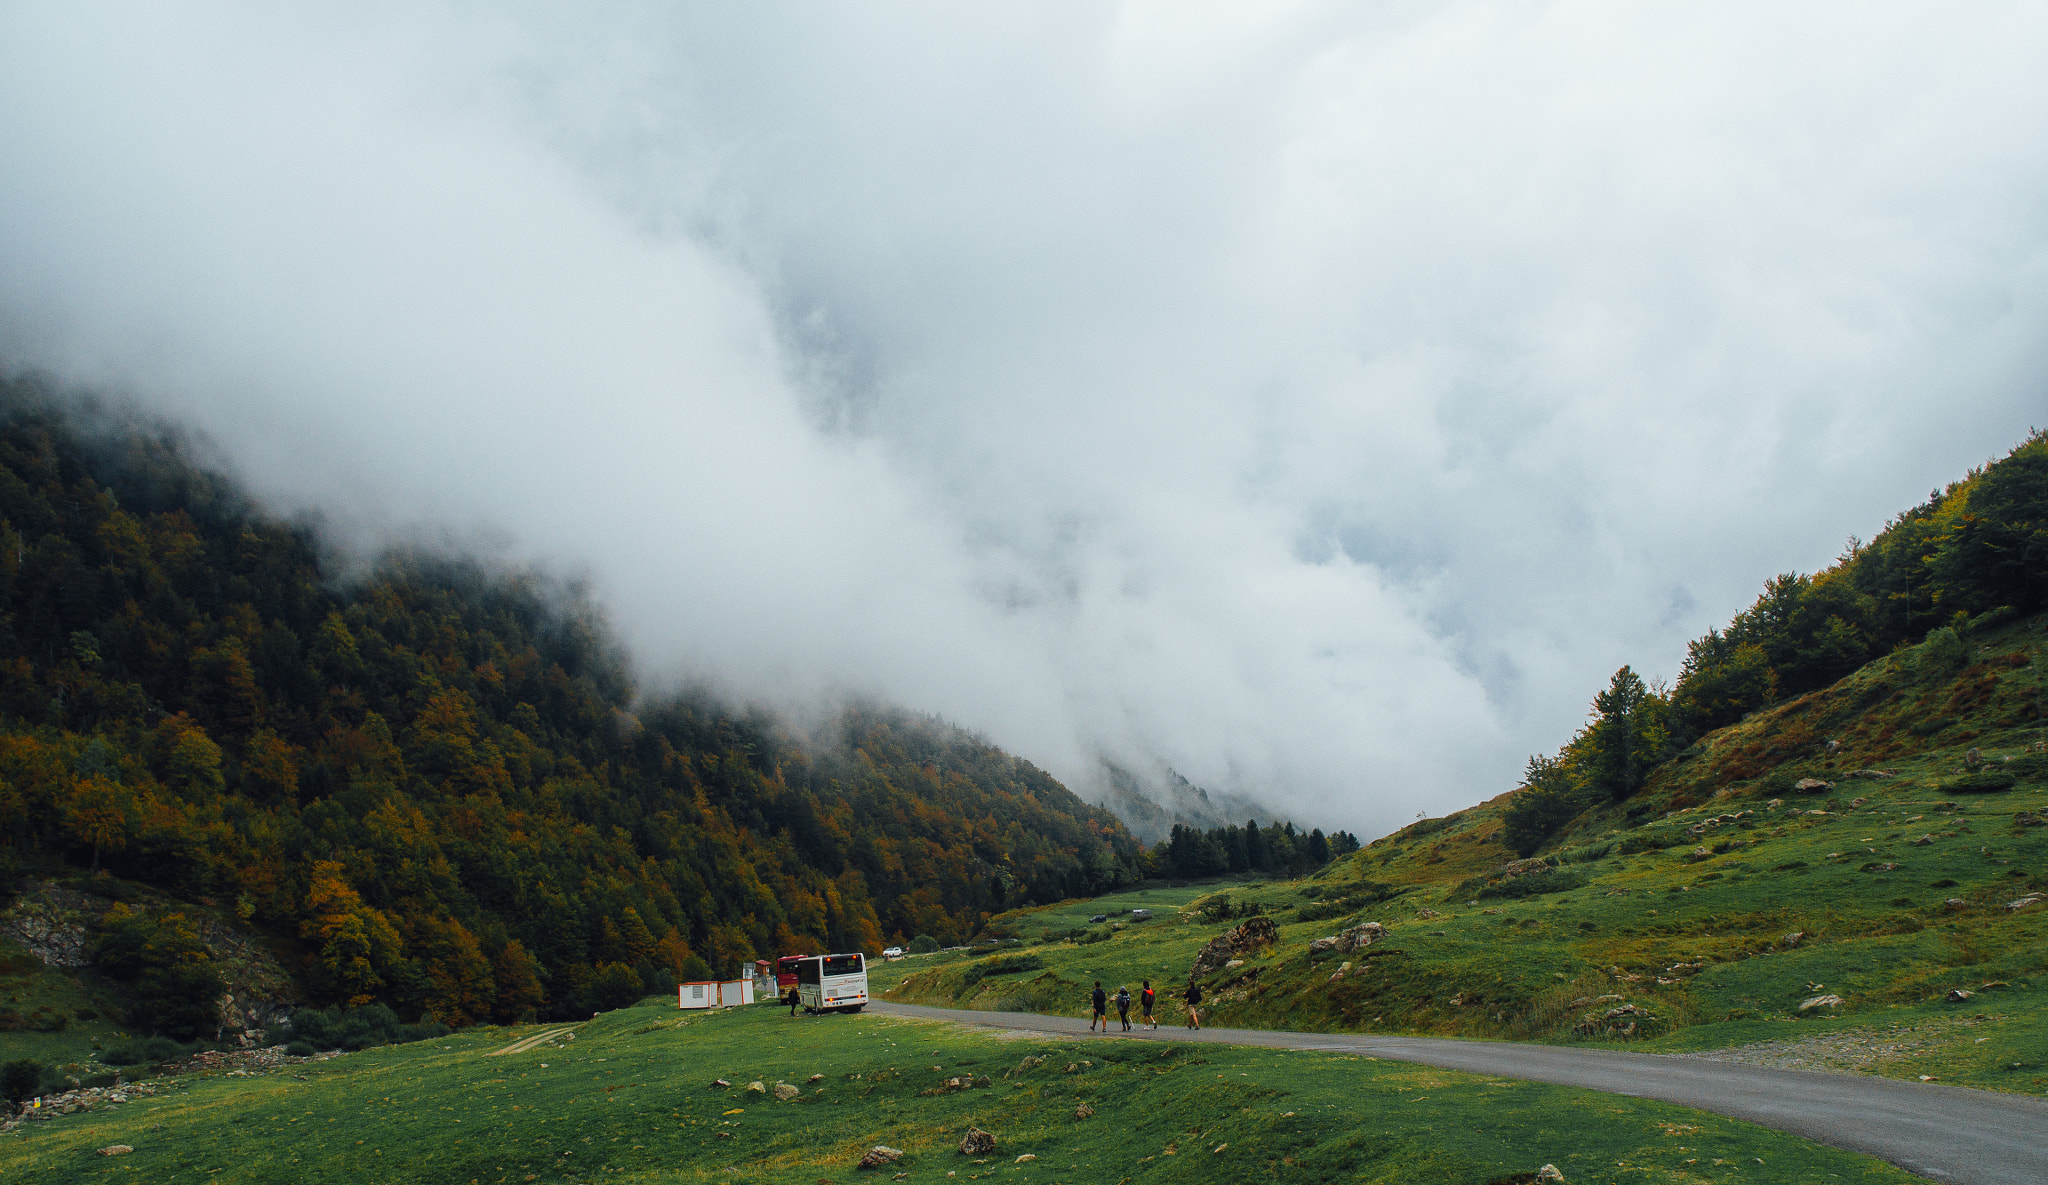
[(435, 786)]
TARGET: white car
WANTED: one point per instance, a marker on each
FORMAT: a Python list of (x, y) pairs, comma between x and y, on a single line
[(894, 952)]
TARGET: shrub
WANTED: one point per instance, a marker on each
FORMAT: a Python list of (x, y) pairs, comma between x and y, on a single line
[(1647, 841), (1000, 965), (2032, 767), (355, 1028), (18, 1079), (300, 1049), (1941, 655), (1097, 935), (614, 986), (923, 944), (1536, 883), (166, 967), (1988, 782)]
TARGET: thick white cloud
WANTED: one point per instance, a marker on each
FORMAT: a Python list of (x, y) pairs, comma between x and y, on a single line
[(1322, 401)]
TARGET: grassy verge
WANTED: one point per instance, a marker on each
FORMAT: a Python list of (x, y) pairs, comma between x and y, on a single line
[(630, 1098)]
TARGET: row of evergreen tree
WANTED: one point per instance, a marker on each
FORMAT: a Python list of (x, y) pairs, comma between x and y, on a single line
[(1190, 853)]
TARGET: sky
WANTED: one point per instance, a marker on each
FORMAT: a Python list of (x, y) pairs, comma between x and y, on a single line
[(1320, 400)]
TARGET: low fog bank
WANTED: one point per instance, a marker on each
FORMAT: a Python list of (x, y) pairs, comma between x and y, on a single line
[(1319, 404)]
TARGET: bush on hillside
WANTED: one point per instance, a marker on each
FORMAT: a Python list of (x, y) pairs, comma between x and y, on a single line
[(150, 1052), (1000, 965), (1537, 883), (614, 986), (923, 944), (355, 1028), (1988, 782), (167, 969), (1637, 842), (18, 1079)]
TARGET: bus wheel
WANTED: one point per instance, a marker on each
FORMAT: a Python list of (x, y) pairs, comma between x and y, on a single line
[(856, 1008)]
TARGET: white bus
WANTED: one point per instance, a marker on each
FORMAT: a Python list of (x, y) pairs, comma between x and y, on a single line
[(832, 983)]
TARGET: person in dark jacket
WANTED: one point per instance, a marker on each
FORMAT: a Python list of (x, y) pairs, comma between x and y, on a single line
[(1193, 997), (792, 999), (1123, 1006), (1100, 999)]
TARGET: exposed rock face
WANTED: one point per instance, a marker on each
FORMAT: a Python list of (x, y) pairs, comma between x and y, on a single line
[(1245, 938), (977, 1142), (878, 1156)]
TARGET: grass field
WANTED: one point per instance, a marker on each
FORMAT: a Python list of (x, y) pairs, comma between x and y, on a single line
[(630, 1099)]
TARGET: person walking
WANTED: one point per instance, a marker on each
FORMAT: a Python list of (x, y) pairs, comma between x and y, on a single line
[(1194, 998), (791, 998), (1123, 1006), (1100, 999), (1145, 1003)]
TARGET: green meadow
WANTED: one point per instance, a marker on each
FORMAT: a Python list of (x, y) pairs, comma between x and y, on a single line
[(631, 1098)]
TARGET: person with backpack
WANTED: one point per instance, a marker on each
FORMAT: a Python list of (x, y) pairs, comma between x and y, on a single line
[(1145, 999), (1100, 999), (1123, 1006), (1193, 997)]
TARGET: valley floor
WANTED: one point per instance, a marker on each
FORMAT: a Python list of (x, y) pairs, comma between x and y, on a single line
[(633, 1096)]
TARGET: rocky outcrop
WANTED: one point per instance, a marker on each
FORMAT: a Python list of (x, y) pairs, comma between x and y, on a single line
[(879, 1156), (977, 1142), (1249, 936)]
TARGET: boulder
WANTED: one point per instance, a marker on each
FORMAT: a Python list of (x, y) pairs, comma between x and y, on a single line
[(815, 1078), (1811, 786), (977, 1142), (757, 1087), (1359, 937), (1083, 1111), (1549, 1171), (1322, 946), (1793, 939), (1958, 995), (878, 1156), (1242, 939), (785, 1091), (1827, 1001), (1954, 905), (116, 1150), (1027, 1158)]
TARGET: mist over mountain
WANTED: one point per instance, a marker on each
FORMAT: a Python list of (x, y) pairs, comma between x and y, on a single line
[(1313, 401)]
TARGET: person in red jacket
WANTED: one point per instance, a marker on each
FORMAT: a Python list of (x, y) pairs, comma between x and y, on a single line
[(1145, 999)]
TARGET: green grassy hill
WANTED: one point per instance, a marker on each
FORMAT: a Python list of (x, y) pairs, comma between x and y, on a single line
[(631, 1098), (1703, 913)]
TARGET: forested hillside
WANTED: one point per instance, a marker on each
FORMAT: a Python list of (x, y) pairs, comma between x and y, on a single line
[(434, 786), (1973, 555)]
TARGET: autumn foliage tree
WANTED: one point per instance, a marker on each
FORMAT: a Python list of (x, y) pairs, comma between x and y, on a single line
[(439, 780)]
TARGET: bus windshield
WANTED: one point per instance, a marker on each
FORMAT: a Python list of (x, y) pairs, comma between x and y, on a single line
[(842, 964)]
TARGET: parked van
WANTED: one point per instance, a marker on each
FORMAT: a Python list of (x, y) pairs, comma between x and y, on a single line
[(832, 983), (1141, 915)]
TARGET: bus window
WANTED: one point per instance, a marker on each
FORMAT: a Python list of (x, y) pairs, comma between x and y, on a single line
[(842, 964)]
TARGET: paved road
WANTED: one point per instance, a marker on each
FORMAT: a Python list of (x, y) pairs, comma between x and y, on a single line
[(1974, 1137)]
